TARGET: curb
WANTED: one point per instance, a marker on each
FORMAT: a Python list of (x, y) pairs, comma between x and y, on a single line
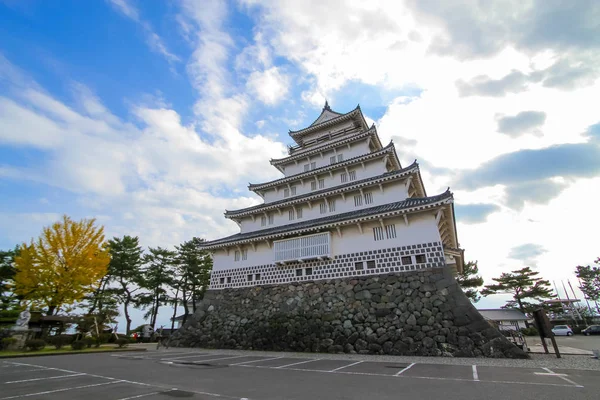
[(70, 353)]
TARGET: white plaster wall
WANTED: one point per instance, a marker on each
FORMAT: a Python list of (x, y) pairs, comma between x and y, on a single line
[(355, 150), (372, 168), (422, 228), (392, 192), (332, 129)]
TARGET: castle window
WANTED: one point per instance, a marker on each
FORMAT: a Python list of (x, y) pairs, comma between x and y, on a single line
[(293, 190), (299, 272), (245, 254), (222, 281), (236, 255), (263, 221), (368, 198), (323, 208), (308, 271), (313, 185), (332, 160), (306, 167), (257, 277), (340, 157), (286, 192), (371, 264), (313, 165), (271, 218), (299, 213), (406, 260), (321, 183), (228, 279), (420, 259), (249, 278), (358, 265), (331, 205), (344, 177), (358, 200), (390, 231), (291, 214), (378, 233), (352, 175)]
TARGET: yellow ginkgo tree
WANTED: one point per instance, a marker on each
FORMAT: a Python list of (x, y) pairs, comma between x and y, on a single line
[(63, 265)]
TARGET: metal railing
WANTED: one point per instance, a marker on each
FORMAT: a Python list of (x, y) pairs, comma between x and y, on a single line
[(301, 248)]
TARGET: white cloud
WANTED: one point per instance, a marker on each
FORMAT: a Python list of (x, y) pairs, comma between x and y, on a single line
[(270, 86)]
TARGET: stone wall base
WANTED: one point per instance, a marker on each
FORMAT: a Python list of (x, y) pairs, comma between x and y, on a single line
[(421, 313)]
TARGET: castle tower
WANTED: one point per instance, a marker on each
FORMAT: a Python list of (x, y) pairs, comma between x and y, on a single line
[(345, 207)]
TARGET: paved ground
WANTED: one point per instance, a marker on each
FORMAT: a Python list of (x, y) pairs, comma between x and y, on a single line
[(183, 373), (581, 342)]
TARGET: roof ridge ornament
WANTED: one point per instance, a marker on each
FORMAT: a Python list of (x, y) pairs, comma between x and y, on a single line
[(326, 107)]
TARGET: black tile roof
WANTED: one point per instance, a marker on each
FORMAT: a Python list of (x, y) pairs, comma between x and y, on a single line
[(321, 222), (322, 191)]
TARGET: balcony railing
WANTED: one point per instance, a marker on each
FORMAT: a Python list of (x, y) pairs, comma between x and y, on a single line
[(302, 248)]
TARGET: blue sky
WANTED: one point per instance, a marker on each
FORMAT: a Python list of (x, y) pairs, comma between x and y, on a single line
[(153, 116)]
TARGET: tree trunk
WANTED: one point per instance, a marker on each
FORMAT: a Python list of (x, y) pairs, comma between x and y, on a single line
[(51, 310), (174, 310), (184, 301), (126, 312)]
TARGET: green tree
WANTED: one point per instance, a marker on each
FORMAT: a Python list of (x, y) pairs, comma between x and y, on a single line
[(156, 276), (125, 272), (590, 280), (523, 284), (8, 299), (193, 274), (470, 281)]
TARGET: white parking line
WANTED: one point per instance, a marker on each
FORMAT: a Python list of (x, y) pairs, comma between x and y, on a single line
[(138, 396), (253, 361), (298, 363), (404, 370), (564, 378), (475, 374), (345, 366), (58, 390), (191, 356), (171, 360), (43, 379)]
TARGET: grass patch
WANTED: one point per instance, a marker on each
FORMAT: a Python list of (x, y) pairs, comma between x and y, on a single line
[(50, 351)]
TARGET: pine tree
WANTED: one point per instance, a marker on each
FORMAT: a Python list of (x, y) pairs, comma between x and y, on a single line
[(469, 281), (156, 276), (590, 280), (8, 299), (125, 272), (523, 284)]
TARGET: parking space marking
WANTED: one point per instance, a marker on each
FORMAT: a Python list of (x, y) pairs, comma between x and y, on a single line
[(561, 376), (253, 361), (199, 355), (138, 396), (298, 363), (43, 379), (59, 390), (475, 374), (404, 369), (345, 366)]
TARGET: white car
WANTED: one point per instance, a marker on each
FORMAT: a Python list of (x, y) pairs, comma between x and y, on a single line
[(562, 330)]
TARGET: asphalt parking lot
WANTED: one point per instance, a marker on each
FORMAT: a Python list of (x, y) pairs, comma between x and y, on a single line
[(185, 373)]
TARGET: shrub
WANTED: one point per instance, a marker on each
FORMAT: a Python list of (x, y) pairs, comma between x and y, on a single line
[(7, 342), (4, 334), (35, 344), (530, 331), (59, 341), (78, 345), (89, 341), (122, 342)]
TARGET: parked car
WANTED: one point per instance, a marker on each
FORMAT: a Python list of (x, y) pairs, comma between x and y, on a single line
[(591, 330), (562, 330)]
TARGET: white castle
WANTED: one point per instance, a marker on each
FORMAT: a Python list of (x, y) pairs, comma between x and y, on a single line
[(344, 208)]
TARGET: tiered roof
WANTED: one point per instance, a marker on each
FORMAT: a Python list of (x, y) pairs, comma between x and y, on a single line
[(406, 206)]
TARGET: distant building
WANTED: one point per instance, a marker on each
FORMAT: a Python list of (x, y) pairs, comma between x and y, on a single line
[(345, 207), (505, 318)]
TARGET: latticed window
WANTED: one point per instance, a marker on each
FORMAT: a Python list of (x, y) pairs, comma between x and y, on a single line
[(313, 165), (244, 254), (306, 167), (368, 198), (323, 208), (378, 233), (299, 213), (344, 177), (332, 160), (371, 264), (390, 231), (263, 221), (286, 192), (293, 190), (406, 260), (236, 255), (271, 219), (331, 205), (313, 185), (340, 157), (321, 183), (291, 214), (358, 200), (420, 259), (352, 175)]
